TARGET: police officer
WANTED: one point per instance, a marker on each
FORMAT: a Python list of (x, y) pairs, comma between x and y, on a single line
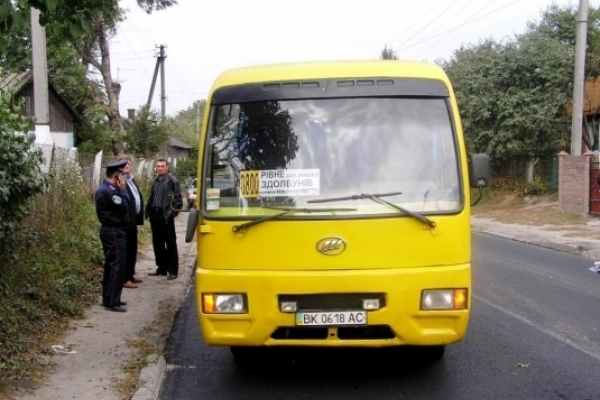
[(112, 205)]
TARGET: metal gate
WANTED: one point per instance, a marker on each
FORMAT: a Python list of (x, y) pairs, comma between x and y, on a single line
[(594, 188)]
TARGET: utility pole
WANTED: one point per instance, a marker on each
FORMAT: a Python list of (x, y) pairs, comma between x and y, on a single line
[(40, 78), (163, 96), (160, 64), (578, 81)]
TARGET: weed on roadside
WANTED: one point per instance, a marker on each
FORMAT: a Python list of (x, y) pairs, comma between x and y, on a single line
[(151, 341), (54, 278)]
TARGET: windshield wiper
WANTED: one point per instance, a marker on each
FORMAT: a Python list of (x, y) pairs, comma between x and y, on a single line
[(286, 210), (377, 198)]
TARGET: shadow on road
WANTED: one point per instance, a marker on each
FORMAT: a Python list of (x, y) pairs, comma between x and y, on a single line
[(330, 363)]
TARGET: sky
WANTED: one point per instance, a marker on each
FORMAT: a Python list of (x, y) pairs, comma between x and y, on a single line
[(204, 38)]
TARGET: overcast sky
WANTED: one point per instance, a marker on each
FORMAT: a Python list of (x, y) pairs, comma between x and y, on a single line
[(204, 38)]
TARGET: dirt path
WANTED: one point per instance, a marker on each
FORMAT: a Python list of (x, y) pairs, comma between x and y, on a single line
[(109, 344)]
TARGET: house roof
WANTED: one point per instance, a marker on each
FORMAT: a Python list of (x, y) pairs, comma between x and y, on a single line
[(174, 142), (14, 82)]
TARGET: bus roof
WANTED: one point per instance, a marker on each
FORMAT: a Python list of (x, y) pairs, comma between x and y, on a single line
[(329, 69)]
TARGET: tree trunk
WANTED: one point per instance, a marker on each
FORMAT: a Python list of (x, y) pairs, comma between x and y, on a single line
[(531, 169), (112, 88)]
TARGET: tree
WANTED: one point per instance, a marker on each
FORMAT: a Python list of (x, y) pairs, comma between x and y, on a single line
[(267, 139), (89, 25), (512, 97), (186, 125), (513, 94), (20, 177), (72, 18), (559, 23), (388, 54), (69, 77), (145, 134)]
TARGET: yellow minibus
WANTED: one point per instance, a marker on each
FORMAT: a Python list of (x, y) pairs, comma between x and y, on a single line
[(333, 208)]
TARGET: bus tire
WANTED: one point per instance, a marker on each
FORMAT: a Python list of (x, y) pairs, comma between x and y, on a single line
[(241, 354)]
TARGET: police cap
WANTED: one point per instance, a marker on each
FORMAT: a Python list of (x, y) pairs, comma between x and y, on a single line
[(116, 166)]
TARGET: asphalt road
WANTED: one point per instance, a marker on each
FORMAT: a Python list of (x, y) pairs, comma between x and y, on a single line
[(534, 334)]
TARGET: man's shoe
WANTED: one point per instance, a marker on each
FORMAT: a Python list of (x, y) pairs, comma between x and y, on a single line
[(129, 285), (171, 276), (116, 309), (122, 303), (157, 273), (136, 280)]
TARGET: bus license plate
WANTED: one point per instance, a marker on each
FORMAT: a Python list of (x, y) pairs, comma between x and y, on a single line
[(335, 318)]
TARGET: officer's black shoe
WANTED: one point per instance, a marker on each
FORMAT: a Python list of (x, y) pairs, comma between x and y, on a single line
[(157, 273), (122, 303), (171, 276), (116, 309)]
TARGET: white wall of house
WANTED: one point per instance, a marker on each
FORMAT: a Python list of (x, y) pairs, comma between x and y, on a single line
[(63, 139)]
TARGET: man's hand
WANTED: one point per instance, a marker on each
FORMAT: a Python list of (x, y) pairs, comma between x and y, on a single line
[(121, 184)]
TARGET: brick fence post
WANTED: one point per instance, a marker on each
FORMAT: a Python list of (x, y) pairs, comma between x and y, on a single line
[(574, 182), (586, 194), (561, 172)]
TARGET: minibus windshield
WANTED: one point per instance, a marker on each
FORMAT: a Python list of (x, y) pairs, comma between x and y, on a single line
[(296, 152)]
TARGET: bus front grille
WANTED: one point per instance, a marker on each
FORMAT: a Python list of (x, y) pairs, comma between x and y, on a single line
[(371, 332)]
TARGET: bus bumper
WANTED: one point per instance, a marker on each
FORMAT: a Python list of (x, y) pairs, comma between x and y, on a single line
[(400, 320)]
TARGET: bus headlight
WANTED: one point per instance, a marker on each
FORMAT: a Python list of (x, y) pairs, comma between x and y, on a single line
[(444, 299), (224, 303)]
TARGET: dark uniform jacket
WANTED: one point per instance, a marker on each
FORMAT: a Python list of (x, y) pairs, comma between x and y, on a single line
[(112, 205), (171, 202)]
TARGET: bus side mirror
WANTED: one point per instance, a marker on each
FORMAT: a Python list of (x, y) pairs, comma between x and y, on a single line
[(191, 225), (480, 172)]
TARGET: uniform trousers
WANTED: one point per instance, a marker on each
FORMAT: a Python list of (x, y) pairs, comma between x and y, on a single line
[(115, 264)]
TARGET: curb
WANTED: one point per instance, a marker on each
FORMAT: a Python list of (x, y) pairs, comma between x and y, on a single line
[(582, 247), (152, 375), (151, 378)]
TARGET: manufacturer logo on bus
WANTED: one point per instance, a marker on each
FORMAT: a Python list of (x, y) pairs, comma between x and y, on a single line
[(331, 246)]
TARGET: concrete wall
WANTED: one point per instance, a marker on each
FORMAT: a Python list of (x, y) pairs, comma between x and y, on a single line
[(574, 182)]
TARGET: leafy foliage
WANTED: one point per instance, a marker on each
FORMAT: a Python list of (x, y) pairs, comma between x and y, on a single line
[(513, 94), (84, 27), (146, 134), (57, 274), (388, 54), (69, 18), (268, 131), (186, 168), (558, 23), (186, 125), (69, 77), (20, 177)]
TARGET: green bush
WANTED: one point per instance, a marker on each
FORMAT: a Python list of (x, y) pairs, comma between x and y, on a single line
[(537, 188), (186, 169), (20, 177), (58, 273)]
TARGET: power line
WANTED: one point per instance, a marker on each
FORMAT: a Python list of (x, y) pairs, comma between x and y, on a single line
[(194, 93), (457, 27), (450, 33), (405, 30), (439, 26), (430, 22)]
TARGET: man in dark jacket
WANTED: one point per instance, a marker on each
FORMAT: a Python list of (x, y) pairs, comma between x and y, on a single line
[(164, 203), (136, 217)]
